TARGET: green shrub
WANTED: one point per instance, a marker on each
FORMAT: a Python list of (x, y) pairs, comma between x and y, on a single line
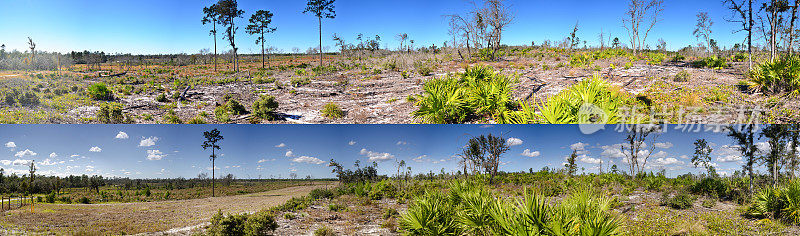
[(99, 91), (580, 60), (227, 225), (424, 68), (680, 201), (682, 76), (324, 231), (321, 193), (678, 58), (162, 98), (260, 223), (443, 102), (713, 62), (171, 118), (84, 200), (779, 76), (470, 208), (264, 107), (779, 203), (110, 114), (336, 207), (478, 92), (230, 108), (50, 198), (263, 80), (299, 81), (655, 58), (196, 120), (389, 213), (712, 187), (332, 111), (600, 100)]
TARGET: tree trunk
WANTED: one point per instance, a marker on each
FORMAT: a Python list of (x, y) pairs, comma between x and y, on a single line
[(750, 35), (215, 47), (262, 50), (320, 40), (213, 158)]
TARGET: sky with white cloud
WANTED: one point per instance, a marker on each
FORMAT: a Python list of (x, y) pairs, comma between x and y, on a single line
[(142, 151)]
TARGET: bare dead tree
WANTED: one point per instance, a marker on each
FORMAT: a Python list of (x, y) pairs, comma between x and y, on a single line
[(638, 12), (498, 16), (743, 14), (636, 149), (791, 32), (702, 30), (32, 46)]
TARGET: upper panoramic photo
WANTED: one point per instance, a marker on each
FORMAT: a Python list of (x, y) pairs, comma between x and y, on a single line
[(415, 61)]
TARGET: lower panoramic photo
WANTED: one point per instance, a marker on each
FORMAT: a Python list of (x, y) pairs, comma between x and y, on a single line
[(399, 180)]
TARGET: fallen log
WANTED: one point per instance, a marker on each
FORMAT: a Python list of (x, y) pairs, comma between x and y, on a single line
[(114, 75)]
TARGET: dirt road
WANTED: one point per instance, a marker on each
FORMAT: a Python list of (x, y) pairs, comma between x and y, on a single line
[(139, 217)]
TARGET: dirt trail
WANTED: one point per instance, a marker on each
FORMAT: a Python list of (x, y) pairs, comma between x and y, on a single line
[(142, 217)]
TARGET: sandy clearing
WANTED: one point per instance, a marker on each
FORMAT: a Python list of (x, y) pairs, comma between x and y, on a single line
[(142, 217)]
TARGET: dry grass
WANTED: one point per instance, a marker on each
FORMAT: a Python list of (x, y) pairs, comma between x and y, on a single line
[(140, 217)]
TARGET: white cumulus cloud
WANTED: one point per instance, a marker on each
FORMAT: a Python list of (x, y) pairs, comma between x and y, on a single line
[(289, 153), (95, 149), (529, 153), (155, 155), (513, 142), (589, 160), (25, 153), (376, 156), (664, 145), (351, 143), (53, 155), (308, 159), (280, 145), (147, 142), (11, 145), (121, 135)]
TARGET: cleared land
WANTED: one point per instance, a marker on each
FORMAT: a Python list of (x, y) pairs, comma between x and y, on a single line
[(140, 217), (382, 88)]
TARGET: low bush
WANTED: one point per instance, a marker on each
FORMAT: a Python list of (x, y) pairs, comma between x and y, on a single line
[(777, 203), (469, 208), (224, 112), (779, 76), (162, 98), (336, 207), (424, 68), (591, 101), (84, 200), (712, 62), (324, 231), (100, 91), (478, 92), (680, 201), (322, 193), (682, 76), (299, 81), (110, 114), (171, 117), (264, 107), (332, 111), (259, 223)]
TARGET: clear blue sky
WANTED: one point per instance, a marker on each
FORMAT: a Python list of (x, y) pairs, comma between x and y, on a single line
[(157, 26), (250, 151)]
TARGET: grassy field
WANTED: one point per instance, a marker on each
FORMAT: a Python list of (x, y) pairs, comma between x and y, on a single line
[(142, 217)]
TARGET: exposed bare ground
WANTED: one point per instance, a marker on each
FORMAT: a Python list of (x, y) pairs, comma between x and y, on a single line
[(149, 218)]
